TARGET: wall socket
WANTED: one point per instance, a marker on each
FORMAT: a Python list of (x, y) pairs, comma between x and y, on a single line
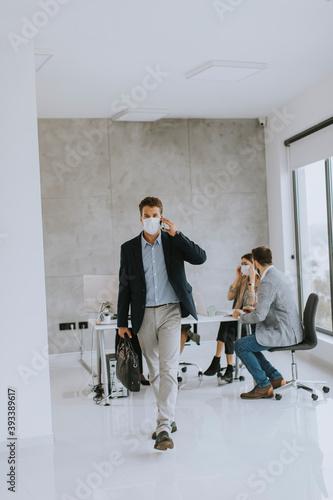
[(83, 325), (67, 326)]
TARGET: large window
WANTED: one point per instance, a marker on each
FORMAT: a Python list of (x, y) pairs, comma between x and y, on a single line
[(313, 217)]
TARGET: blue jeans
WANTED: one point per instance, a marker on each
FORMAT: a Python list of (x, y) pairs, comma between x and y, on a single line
[(249, 352)]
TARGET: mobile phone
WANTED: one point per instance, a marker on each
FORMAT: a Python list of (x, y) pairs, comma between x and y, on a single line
[(164, 225)]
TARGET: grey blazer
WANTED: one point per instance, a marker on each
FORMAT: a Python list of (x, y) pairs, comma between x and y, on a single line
[(276, 316)]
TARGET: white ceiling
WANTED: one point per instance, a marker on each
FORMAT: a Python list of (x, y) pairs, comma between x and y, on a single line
[(104, 47)]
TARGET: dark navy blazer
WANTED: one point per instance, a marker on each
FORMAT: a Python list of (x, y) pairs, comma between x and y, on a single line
[(132, 285)]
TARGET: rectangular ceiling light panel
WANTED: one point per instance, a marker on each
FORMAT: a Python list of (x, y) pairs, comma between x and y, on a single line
[(225, 71)]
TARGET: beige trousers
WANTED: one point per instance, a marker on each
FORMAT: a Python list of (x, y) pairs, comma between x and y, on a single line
[(159, 338)]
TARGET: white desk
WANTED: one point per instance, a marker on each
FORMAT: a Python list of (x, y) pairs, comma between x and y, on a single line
[(101, 327)]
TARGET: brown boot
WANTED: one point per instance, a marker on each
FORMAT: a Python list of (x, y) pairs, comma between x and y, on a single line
[(278, 382), (259, 392)]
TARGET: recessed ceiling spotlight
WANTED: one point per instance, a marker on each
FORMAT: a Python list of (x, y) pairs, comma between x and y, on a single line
[(139, 115), (225, 71), (42, 56)]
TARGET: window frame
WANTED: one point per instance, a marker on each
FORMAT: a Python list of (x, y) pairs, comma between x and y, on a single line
[(329, 219)]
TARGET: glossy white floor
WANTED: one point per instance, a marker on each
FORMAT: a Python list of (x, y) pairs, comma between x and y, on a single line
[(225, 448)]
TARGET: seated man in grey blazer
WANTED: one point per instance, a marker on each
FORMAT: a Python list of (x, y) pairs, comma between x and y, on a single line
[(277, 324)]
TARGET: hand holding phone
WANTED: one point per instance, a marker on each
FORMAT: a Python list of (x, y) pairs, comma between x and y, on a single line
[(168, 226), (164, 225)]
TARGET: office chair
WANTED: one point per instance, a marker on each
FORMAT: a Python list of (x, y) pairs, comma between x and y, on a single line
[(184, 366), (309, 342)]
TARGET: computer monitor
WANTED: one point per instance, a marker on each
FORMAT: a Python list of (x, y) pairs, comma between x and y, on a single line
[(98, 290)]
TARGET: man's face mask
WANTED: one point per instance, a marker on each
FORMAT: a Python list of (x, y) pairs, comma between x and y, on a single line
[(151, 225), (256, 270)]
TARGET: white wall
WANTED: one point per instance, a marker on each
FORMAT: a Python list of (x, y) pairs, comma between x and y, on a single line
[(307, 109), (22, 291), (94, 173)]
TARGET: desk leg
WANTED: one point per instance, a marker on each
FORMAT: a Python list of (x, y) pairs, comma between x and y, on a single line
[(104, 367), (239, 334), (98, 350)]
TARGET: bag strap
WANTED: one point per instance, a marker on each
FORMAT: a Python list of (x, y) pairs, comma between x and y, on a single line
[(128, 343), (129, 346)]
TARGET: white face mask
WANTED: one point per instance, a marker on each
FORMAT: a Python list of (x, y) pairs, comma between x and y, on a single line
[(151, 225), (245, 269), (256, 270)]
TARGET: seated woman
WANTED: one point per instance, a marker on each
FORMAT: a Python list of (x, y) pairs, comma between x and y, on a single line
[(243, 292)]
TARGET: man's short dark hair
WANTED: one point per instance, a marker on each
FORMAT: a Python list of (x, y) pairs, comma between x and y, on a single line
[(151, 201), (247, 256), (263, 255)]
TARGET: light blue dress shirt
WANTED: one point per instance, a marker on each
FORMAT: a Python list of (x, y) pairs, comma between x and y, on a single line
[(159, 289)]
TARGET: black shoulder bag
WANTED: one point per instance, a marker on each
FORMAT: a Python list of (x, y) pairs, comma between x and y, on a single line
[(128, 369)]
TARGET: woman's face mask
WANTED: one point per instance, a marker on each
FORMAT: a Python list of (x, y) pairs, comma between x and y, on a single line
[(151, 225), (245, 269)]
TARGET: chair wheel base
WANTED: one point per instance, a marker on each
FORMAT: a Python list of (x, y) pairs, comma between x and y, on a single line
[(180, 379), (314, 397), (326, 389), (184, 369), (200, 374), (241, 378), (278, 396)]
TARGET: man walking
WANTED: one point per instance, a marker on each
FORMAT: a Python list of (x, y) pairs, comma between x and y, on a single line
[(277, 324), (152, 281)]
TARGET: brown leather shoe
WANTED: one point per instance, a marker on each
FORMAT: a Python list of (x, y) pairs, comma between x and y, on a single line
[(259, 392), (163, 441), (278, 382)]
